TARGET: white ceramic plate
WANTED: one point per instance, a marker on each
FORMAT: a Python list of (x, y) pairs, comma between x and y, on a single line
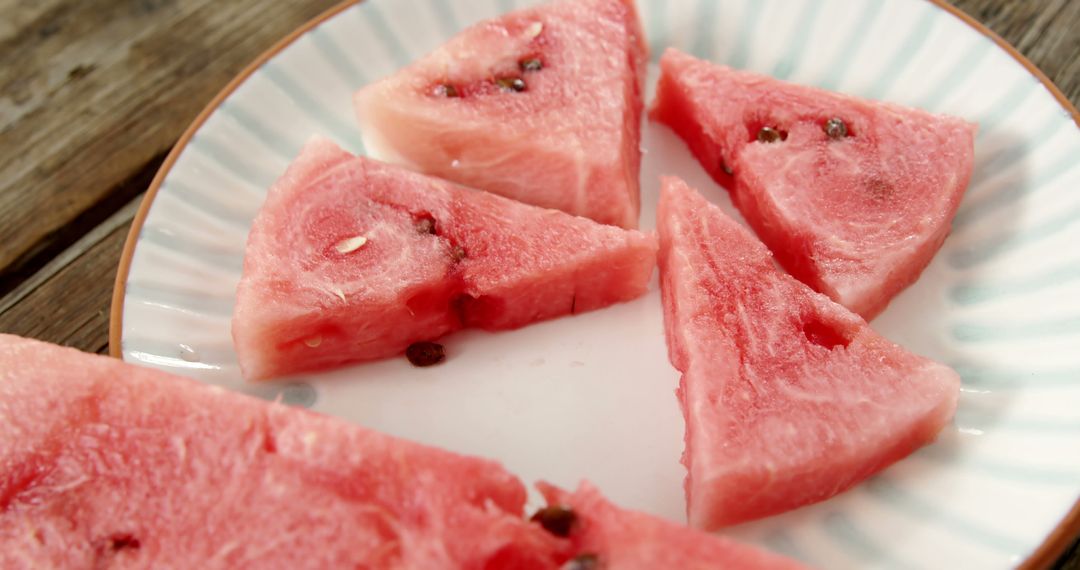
[(591, 396)]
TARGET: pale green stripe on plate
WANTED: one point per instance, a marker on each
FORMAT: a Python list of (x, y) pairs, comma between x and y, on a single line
[(990, 332), (960, 72), (372, 11), (921, 508), (705, 16), (273, 140), (310, 106), (231, 162), (333, 53), (915, 41), (797, 46), (751, 16), (851, 45), (987, 289)]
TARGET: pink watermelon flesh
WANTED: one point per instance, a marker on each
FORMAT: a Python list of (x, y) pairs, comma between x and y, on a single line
[(858, 217), (789, 398), (106, 465), (627, 540), (311, 297), (568, 139)]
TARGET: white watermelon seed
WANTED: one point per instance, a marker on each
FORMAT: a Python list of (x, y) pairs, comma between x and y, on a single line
[(349, 245), (534, 29), (338, 292), (313, 341)]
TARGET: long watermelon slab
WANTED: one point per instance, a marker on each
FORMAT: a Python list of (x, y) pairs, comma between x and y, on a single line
[(107, 465), (542, 105), (854, 197), (789, 398), (353, 259)]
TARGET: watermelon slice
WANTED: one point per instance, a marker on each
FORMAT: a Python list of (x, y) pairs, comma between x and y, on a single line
[(855, 207), (106, 465), (352, 259), (789, 398), (540, 105), (617, 539)]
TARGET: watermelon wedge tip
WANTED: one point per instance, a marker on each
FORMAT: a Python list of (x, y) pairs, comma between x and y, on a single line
[(789, 398)]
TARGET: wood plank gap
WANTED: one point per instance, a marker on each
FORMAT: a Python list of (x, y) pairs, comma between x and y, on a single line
[(118, 219), (52, 245)]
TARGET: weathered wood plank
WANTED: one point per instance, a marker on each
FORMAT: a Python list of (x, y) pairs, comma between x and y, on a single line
[(67, 302), (93, 91)]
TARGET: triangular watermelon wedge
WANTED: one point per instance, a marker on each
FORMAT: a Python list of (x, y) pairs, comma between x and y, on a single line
[(541, 105), (855, 207), (352, 259), (108, 465), (612, 538), (789, 397)]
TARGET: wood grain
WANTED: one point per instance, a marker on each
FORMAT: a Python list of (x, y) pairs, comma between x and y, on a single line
[(93, 91)]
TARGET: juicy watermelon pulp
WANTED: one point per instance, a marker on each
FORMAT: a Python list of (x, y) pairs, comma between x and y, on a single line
[(540, 105), (351, 259), (857, 216), (789, 398), (619, 539), (106, 465)]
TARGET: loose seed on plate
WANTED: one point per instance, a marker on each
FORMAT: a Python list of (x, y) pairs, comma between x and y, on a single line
[(425, 353), (769, 135), (582, 562), (556, 519), (531, 64), (511, 83), (835, 128), (349, 245)]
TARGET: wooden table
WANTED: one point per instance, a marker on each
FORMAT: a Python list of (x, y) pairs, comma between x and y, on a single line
[(94, 93)]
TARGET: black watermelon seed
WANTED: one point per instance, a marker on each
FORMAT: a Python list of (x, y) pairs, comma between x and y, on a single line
[(727, 169), (458, 253), (836, 128), (123, 541), (425, 353), (556, 519), (582, 562), (769, 135)]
